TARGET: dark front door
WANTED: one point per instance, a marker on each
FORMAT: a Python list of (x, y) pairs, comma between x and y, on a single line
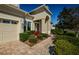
[(29, 26), (37, 27)]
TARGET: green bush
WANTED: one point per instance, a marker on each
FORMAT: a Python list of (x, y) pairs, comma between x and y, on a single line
[(29, 32), (63, 47), (70, 34), (29, 35), (57, 31), (66, 45), (44, 35), (53, 31), (40, 37), (24, 37), (32, 39)]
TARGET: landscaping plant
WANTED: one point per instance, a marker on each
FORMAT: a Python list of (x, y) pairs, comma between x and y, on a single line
[(32, 39), (24, 37)]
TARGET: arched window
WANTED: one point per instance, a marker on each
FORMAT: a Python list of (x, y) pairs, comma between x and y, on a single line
[(46, 19)]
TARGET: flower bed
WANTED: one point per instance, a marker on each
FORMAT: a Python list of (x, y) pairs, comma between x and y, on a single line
[(32, 37)]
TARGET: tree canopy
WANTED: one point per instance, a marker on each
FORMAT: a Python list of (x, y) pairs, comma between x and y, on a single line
[(69, 18)]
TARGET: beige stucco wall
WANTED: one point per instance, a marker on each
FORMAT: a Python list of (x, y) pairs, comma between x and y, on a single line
[(17, 27), (46, 27), (21, 24)]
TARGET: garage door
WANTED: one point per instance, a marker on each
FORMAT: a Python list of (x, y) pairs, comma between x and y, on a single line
[(8, 30)]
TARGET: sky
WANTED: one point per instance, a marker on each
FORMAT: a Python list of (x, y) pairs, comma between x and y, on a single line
[(54, 8)]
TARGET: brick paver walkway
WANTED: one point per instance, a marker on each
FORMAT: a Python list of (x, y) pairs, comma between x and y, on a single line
[(20, 48)]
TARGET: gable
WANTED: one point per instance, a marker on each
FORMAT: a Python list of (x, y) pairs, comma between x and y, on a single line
[(41, 15), (40, 9)]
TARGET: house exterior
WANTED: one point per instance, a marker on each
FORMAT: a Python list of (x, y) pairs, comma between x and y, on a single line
[(10, 22), (28, 22), (14, 21), (42, 19)]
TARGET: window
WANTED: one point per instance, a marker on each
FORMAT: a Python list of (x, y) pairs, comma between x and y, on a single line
[(47, 18), (28, 25), (6, 21), (14, 22)]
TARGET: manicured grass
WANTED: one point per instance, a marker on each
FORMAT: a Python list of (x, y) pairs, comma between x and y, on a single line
[(66, 44)]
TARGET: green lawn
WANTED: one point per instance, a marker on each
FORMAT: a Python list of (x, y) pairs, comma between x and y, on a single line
[(66, 44)]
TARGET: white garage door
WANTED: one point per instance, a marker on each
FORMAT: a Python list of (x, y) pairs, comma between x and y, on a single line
[(8, 30)]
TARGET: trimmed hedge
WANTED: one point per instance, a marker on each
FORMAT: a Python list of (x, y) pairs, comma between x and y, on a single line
[(24, 36), (29, 35)]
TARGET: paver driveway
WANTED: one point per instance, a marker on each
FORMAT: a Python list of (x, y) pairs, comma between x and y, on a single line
[(14, 47), (20, 48)]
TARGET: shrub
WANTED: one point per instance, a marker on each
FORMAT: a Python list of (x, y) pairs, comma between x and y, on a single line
[(24, 36), (40, 37), (57, 31), (70, 34), (65, 45), (32, 39), (36, 34), (53, 31), (44, 35), (29, 32)]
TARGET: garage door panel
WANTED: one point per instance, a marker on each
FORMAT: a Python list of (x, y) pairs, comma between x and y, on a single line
[(0, 36), (0, 32), (8, 32), (8, 36), (9, 27)]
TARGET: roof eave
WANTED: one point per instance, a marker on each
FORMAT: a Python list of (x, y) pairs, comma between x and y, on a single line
[(48, 10)]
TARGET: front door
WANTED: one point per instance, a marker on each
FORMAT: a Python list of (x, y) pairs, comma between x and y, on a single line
[(38, 25)]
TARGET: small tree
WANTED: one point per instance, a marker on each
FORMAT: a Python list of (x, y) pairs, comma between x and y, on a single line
[(63, 19)]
